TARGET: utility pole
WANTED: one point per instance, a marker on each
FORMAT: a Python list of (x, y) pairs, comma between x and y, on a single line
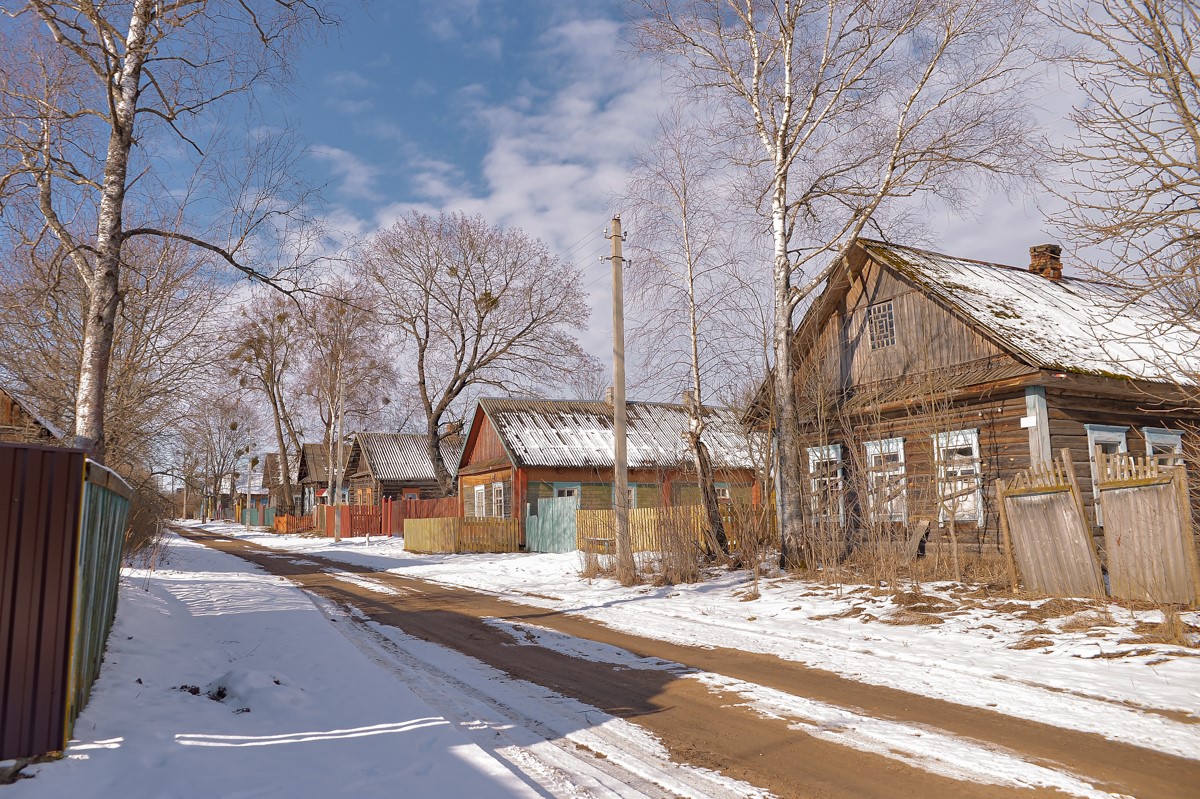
[(626, 571), (337, 497)]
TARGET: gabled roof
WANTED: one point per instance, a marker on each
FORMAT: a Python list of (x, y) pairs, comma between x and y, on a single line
[(314, 462), (1067, 325), (402, 457), (24, 405), (577, 433), (272, 475)]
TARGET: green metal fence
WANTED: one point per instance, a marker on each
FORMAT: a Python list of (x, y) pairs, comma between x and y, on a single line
[(106, 500), (552, 528)]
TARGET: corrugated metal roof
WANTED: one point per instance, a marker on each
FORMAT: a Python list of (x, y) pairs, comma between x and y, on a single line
[(403, 456), (272, 475), (575, 433), (1069, 325)]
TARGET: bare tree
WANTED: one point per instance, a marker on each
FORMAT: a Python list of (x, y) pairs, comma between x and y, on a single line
[(81, 83), (682, 254), (264, 359), (164, 336), (218, 430), (481, 307), (1132, 171), (347, 375), (839, 108)]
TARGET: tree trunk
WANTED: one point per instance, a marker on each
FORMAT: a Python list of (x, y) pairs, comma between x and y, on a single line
[(285, 470), (708, 492), (787, 421), (103, 282), (433, 442)]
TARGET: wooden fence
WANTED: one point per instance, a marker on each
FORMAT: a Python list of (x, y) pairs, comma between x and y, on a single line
[(1046, 533), (1147, 530), (287, 523), (596, 529), (456, 535), (60, 555), (444, 508)]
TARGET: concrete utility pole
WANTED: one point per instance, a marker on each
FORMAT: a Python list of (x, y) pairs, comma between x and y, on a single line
[(337, 496), (626, 571)]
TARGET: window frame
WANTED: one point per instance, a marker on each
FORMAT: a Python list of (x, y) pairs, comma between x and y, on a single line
[(498, 495), (480, 501), (1103, 434), (829, 453), (958, 439), (881, 325), (1164, 436), (880, 448)]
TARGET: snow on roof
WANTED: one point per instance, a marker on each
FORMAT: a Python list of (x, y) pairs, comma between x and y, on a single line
[(575, 433), (1069, 325), (403, 456), (26, 406)]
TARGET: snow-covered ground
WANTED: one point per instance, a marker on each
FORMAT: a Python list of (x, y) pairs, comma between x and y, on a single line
[(221, 680), (1096, 669)]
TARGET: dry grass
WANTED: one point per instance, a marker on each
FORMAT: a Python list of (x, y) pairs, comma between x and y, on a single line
[(1086, 622), (1055, 608), (1032, 643), (1172, 630), (912, 617)]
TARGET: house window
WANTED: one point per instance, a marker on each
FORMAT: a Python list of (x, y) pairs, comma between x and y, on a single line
[(886, 482), (566, 492), (881, 325), (480, 501), (956, 455), (1163, 442), (723, 493), (498, 500), (630, 495), (1109, 439), (825, 481)]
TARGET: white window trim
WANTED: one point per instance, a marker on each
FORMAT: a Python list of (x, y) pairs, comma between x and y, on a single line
[(829, 452), (1103, 434), (480, 501), (887, 446), (1163, 437), (498, 497), (956, 439)]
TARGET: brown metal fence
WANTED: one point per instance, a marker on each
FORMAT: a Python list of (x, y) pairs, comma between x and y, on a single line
[(60, 546)]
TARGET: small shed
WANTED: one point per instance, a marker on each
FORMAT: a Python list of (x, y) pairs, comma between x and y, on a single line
[(19, 424)]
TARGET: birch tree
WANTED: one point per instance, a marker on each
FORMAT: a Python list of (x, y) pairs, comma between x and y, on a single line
[(101, 102), (839, 108), (682, 253), (480, 307), (1131, 170)]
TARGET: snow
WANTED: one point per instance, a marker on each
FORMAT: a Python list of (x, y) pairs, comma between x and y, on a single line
[(301, 712), (221, 680), (1093, 680)]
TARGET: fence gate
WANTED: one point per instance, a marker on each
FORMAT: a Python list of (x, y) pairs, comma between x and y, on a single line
[(1147, 530), (552, 529), (1045, 528)]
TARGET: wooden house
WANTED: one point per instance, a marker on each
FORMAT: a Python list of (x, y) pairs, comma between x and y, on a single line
[(518, 451), (19, 424), (394, 466), (922, 378), (313, 474)]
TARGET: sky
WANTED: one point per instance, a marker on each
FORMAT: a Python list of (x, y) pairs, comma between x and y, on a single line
[(527, 112)]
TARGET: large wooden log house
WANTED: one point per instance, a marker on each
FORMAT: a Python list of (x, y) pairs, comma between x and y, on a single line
[(922, 378)]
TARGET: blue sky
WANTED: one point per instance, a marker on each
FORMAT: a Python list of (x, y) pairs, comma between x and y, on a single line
[(525, 111)]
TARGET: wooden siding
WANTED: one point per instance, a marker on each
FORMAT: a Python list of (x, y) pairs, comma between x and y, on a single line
[(468, 482), (928, 337), (484, 444), (1003, 450)]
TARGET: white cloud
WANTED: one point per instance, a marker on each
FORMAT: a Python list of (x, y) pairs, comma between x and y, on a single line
[(355, 178)]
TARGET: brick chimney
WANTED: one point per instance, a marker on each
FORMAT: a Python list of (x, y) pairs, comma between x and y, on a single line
[(1046, 260)]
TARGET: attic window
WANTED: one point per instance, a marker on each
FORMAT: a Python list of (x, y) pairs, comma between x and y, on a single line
[(881, 325)]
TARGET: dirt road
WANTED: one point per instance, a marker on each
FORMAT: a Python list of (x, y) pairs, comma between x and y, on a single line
[(713, 727)]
